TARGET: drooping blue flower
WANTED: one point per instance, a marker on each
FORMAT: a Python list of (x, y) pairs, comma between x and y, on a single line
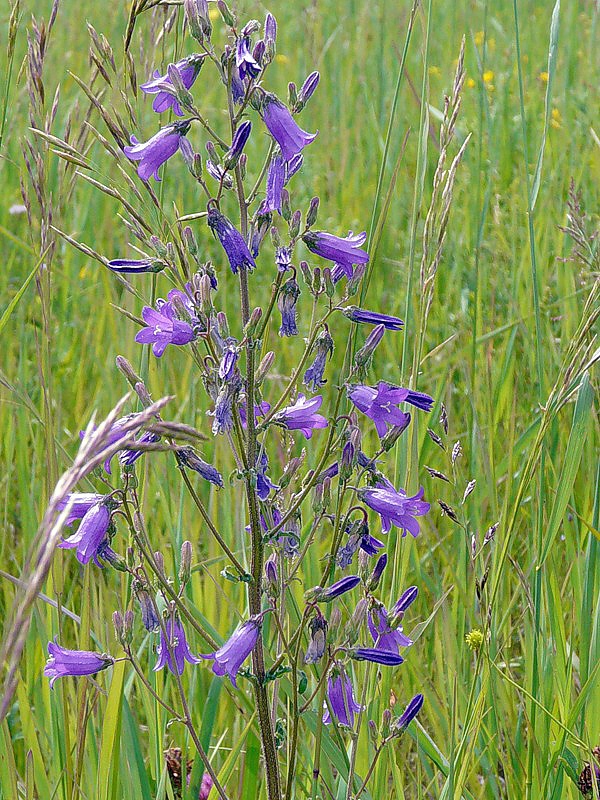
[(230, 657), (338, 588), (384, 636), (260, 410), (286, 303), (188, 457), (231, 240), (341, 698), (274, 186), (396, 508), (318, 638), (358, 538), (173, 649), (92, 532), (361, 315), (79, 504), (263, 483), (232, 156), (345, 252), (188, 69), (132, 266), (410, 712), (380, 403), (63, 662), (323, 348), (129, 457), (384, 657), (302, 416), (153, 153), (244, 59), (229, 359), (283, 128), (150, 619), (223, 412)]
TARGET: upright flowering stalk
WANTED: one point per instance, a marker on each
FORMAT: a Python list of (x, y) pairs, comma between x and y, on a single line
[(283, 128), (153, 153), (63, 662)]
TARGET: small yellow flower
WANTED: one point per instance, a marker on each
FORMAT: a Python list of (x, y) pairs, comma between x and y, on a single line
[(471, 83), (281, 59), (488, 76), (434, 72), (543, 76), (474, 639), (479, 37), (555, 118), (213, 14)]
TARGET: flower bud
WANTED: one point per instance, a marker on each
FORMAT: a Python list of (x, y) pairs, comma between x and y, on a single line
[(205, 295), (375, 576), (223, 325), (365, 354), (394, 433), (354, 282), (212, 152), (264, 368), (187, 151), (306, 273), (386, 719), (275, 238), (125, 367), (286, 208), (159, 562), (252, 324), (356, 622), (240, 138), (198, 19), (312, 213), (185, 568), (143, 394), (307, 90), (317, 283), (347, 461), (335, 619), (118, 625), (329, 284), (295, 222), (242, 165), (272, 576), (226, 14), (292, 94)]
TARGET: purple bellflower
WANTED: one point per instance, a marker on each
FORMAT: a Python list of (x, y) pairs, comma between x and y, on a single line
[(372, 318), (283, 128), (274, 186), (163, 328), (172, 638), (302, 416), (63, 662), (230, 657), (231, 158), (323, 348), (380, 403), (358, 537), (229, 359), (263, 483), (244, 60), (188, 457), (130, 456), (384, 636), (231, 240), (188, 69), (341, 698), (150, 619), (385, 657), (396, 508), (132, 266), (153, 153), (344, 252), (92, 533), (219, 173), (338, 588), (260, 410), (223, 412), (79, 504), (286, 303), (318, 639), (410, 712)]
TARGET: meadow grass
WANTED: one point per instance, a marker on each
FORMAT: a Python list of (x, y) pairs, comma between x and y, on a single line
[(503, 348)]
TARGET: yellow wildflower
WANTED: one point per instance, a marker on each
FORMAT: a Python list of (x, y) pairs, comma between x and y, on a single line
[(281, 59), (555, 118), (470, 83), (488, 76), (479, 37), (474, 639), (543, 76)]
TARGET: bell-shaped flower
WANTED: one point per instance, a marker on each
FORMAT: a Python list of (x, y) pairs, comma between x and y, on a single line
[(153, 153), (380, 403), (341, 698), (283, 128), (302, 416), (345, 252), (230, 657), (173, 649), (188, 69), (62, 662), (396, 508)]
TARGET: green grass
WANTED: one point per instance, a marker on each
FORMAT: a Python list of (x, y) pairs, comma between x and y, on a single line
[(516, 720)]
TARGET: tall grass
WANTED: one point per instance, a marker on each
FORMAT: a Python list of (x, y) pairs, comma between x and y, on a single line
[(506, 350)]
